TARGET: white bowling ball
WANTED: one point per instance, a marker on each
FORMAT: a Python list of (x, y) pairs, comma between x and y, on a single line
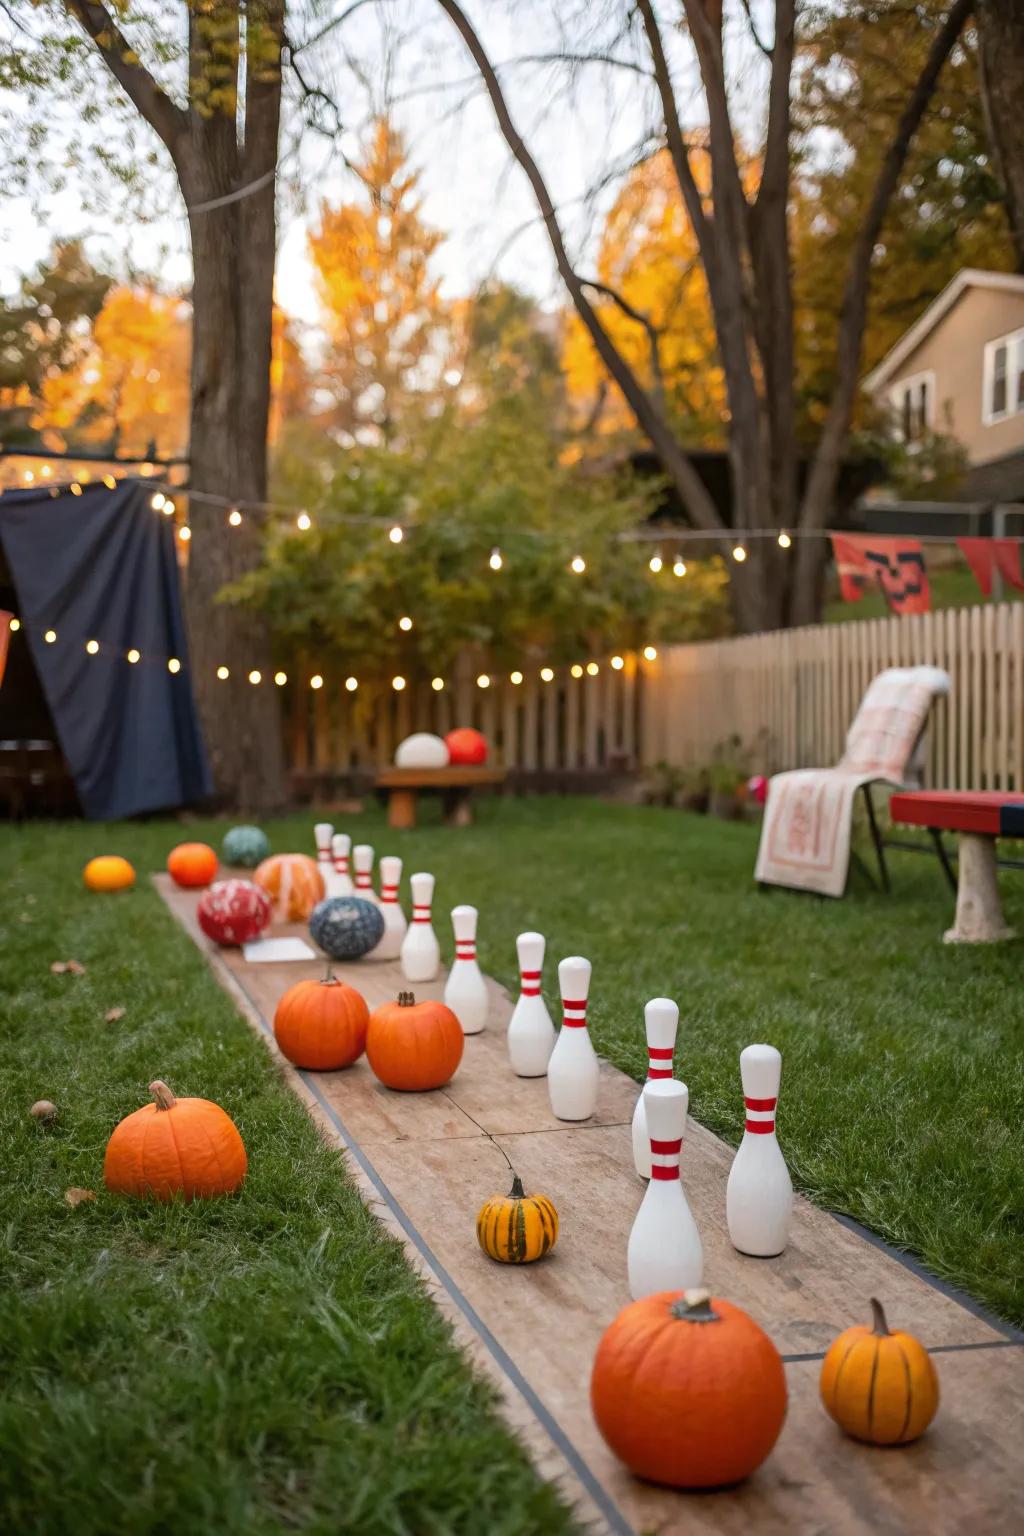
[(422, 750)]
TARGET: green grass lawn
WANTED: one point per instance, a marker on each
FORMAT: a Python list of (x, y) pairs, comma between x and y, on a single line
[(269, 1362)]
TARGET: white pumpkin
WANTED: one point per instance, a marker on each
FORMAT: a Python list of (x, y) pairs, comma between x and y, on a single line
[(422, 750)]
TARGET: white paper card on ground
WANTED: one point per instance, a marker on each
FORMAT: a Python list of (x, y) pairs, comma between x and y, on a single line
[(262, 951)]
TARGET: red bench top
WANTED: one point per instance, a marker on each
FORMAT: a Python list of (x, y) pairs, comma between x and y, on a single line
[(954, 810)]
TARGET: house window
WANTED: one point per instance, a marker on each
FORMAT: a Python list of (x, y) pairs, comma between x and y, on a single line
[(1003, 378), (913, 402)]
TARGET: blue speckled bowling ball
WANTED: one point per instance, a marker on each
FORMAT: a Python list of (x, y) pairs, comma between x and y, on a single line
[(346, 927), (244, 847)]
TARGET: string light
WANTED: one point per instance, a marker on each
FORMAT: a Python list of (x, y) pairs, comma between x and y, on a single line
[(398, 683), (650, 653), (234, 517), (592, 669), (547, 675), (576, 669), (437, 683), (483, 681), (168, 507), (396, 535), (739, 554), (223, 673), (15, 625), (184, 533), (303, 522), (255, 676), (656, 563), (405, 623), (578, 564), (157, 501), (351, 684), (784, 540), (618, 663), (76, 489), (109, 482), (46, 471), (134, 656), (173, 664), (679, 568), (495, 561), (29, 477), (316, 681), (50, 636), (515, 678), (92, 646), (280, 678)]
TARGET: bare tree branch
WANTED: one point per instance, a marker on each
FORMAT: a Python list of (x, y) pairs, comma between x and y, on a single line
[(759, 42), (166, 119), (639, 318)]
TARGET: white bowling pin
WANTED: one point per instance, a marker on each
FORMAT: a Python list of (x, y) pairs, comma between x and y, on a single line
[(323, 832), (573, 1069), (661, 1020), (665, 1251), (339, 881), (421, 953), (759, 1195), (395, 925), (362, 863), (531, 1034), (465, 990)]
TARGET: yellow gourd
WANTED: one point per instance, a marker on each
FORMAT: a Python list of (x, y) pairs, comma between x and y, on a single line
[(879, 1386), (517, 1228)]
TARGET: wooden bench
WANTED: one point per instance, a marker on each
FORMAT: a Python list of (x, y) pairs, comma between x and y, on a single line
[(978, 818), (402, 787)]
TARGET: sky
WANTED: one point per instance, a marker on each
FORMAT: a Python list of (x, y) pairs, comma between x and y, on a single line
[(403, 54)]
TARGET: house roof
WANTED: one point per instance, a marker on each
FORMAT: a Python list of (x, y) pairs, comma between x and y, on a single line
[(968, 277)]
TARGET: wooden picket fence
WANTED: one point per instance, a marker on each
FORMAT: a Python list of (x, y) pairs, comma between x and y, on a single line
[(789, 696), (779, 700)]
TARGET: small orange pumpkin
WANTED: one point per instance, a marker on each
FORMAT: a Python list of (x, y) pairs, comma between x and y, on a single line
[(321, 1025), (109, 872), (414, 1046), (293, 883), (192, 864), (687, 1390), (173, 1147), (517, 1228), (879, 1386)]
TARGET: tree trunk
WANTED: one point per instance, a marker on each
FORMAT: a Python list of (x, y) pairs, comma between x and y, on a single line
[(232, 296), (1001, 34)]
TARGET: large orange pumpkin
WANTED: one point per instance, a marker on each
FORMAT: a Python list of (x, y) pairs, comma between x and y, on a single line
[(109, 872), (688, 1390), (293, 883), (321, 1025), (192, 864), (414, 1046), (879, 1386), (173, 1147)]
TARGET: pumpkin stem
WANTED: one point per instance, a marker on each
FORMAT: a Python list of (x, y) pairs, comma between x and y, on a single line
[(162, 1094), (880, 1326), (406, 999), (517, 1192), (694, 1307), (330, 980)]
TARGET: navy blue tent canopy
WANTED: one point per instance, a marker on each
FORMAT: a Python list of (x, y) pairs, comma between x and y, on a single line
[(102, 566)]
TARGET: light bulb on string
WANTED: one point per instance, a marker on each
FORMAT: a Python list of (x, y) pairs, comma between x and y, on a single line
[(656, 563), (515, 678), (173, 664), (316, 681), (46, 472), (223, 673), (618, 663), (592, 669), (255, 676), (351, 684), (398, 683), (157, 501), (784, 540), (650, 653), (495, 562), (547, 675), (14, 626), (92, 646), (578, 564), (679, 566), (184, 533), (109, 482), (50, 636), (437, 683), (29, 477), (76, 489), (576, 670), (280, 678), (303, 522), (396, 535), (739, 553), (134, 656), (234, 517), (405, 623), (483, 681), (168, 507)]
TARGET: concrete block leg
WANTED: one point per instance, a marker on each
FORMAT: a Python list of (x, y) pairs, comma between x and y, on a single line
[(979, 912)]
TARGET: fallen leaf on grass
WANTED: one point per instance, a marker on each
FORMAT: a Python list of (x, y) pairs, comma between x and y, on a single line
[(113, 1014), (73, 967), (75, 1197)]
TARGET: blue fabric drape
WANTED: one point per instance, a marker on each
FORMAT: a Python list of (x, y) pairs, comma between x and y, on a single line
[(102, 566)]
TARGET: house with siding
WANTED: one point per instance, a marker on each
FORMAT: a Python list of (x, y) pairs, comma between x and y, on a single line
[(959, 370)]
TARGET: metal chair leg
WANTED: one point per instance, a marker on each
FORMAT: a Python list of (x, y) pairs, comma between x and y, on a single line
[(944, 860), (876, 838)]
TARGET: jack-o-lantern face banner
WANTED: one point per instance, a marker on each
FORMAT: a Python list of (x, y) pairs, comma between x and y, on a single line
[(986, 556), (894, 565)]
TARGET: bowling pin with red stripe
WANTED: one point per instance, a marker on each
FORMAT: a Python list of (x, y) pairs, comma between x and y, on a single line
[(573, 1069), (531, 1034), (323, 832), (362, 863), (421, 953), (661, 1018), (395, 925), (465, 991), (665, 1252), (339, 881), (759, 1196)]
